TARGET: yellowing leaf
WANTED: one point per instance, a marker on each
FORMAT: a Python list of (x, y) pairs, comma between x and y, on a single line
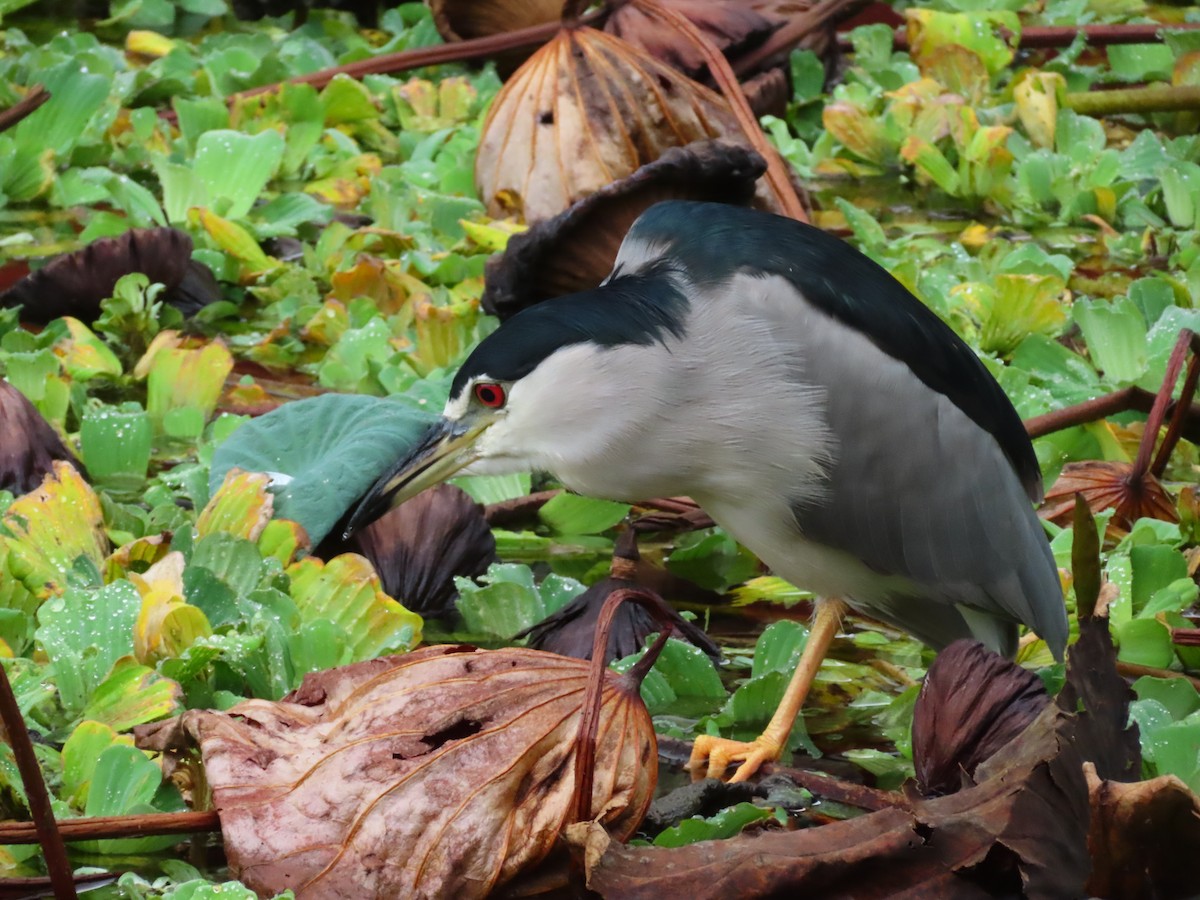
[(347, 592), (49, 528), (491, 236), (166, 625), (957, 69), (164, 340), (858, 131), (143, 551), (85, 356), (148, 43), (283, 539), (234, 240), (183, 387), (241, 507), (1036, 98), (132, 694), (992, 35)]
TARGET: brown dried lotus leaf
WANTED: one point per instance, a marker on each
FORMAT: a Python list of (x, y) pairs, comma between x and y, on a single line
[(972, 703), (441, 773), (29, 446), (571, 631), (1143, 838), (458, 20), (586, 110), (574, 251), (74, 284), (420, 546), (729, 25), (1108, 485)]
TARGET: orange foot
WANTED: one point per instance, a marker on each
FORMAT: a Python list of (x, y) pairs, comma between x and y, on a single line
[(720, 752)]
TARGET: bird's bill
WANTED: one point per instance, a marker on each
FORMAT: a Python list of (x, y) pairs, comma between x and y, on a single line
[(445, 448)]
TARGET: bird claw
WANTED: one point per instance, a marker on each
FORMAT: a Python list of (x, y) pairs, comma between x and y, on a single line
[(712, 756)]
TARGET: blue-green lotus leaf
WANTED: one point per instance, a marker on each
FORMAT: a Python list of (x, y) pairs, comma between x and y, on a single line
[(323, 453)]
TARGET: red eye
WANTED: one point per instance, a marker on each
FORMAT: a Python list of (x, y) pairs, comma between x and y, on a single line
[(490, 394)]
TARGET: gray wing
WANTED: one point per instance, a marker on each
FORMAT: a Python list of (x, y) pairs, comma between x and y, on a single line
[(919, 490)]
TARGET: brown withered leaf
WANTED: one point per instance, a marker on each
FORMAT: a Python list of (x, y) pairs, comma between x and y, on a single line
[(574, 250), (1099, 697), (1143, 838), (768, 93), (972, 703), (29, 446), (571, 631), (584, 111), (418, 548), (1108, 485), (74, 284), (441, 773), (458, 20), (731, 26), (1020, 831)]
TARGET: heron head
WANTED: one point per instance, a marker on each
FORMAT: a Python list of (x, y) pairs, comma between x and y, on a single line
[(548, 389)]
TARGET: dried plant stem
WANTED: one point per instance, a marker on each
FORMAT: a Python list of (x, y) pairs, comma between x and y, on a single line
[(96, 828), (1186, 637), (1152, 98), (1175, 427), (405, 60), (1130, 399), (837, 790), (1133, 670), (589, 721), (718, 66), (1052, 36), (36, 97), (508, 512), (1158, 412), (58, 867), (796, 29)]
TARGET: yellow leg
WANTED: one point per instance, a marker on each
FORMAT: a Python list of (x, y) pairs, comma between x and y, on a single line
[(712, 755)]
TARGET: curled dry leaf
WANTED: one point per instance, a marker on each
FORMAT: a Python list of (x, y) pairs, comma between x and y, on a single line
[(584, 111), (1143, 838), (574, 251), (75, 283), (441, 773), (420, 546), (1021, 830), (30, 445), (1108, 485), (571, 631), (732, 26), (458, 20), (972, 703)]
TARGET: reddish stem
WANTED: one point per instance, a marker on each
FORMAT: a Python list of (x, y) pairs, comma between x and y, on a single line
[(1053, 36), (22, 108), (1158, 412), (459, 51), (796, 29), (93, 828), (718, 66), (1175, 428), (53, 848), (589, 721)]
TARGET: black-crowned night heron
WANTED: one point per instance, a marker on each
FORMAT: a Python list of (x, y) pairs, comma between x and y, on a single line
[(804, 398)]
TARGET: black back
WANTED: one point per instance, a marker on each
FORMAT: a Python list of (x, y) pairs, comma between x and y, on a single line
[(711, 242)]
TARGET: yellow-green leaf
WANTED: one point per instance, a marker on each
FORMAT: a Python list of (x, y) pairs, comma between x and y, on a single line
[(242, 506), (346, 591), (49, 528)]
